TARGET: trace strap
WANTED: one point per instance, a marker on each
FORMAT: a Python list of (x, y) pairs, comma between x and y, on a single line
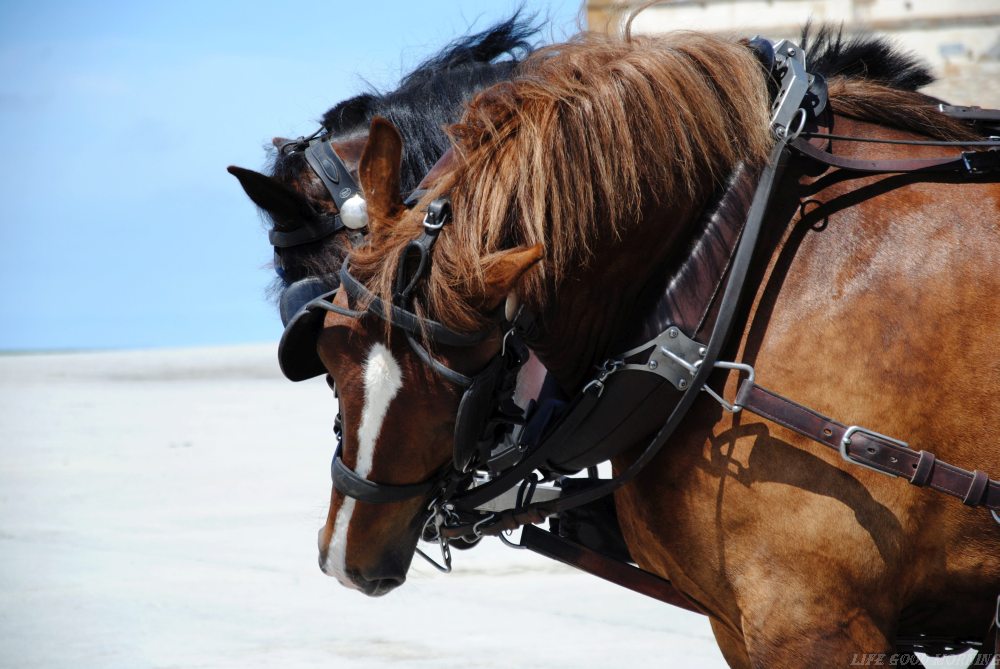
[(969, 163), (870, 449)]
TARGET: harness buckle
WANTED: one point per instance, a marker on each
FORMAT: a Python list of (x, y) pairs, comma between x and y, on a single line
[(857, 429), (734, 407), (981, 162), (607, 369), (438, 213)]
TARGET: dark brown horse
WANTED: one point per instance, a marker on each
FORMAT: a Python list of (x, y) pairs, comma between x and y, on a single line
[(576, 190), (427, 99)]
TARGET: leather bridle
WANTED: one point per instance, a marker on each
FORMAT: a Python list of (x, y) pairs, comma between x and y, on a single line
[(336, 178), (478, 399), (296, 352)]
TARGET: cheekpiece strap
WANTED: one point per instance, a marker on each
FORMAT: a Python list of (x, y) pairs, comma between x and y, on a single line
[(438, 213), (331, 170)]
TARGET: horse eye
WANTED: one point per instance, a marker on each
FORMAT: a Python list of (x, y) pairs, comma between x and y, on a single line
[(333, 384)]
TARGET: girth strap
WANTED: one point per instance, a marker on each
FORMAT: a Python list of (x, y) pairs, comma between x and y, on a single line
[(870, 449)]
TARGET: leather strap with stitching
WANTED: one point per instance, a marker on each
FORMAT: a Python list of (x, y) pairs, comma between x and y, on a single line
[(407, 320), (970, 163), (921, 468), (352, 485)]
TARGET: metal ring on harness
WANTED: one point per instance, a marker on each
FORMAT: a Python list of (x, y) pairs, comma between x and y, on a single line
[(788, 135)]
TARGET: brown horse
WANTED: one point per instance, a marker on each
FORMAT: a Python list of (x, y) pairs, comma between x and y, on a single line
[(575, 193)]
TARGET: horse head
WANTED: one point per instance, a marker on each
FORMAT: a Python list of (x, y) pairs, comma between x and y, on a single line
[(305, 217), (303, 206), (516, 188), (399, 398)]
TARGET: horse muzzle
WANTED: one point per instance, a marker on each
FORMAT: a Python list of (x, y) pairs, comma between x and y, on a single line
[(374, 581)]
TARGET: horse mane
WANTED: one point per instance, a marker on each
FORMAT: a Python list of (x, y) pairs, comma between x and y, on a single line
[(568, 153), (561, 154), (871, 79), (863, 56), (428, 98)]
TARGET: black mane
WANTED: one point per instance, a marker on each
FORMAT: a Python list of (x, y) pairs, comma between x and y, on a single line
[(429, 97), (426, 101), (863, 56)]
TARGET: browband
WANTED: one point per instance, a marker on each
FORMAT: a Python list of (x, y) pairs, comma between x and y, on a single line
[(406, 320)]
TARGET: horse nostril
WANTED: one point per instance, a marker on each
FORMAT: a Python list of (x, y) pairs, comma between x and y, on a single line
[(382, 586), (324, 548)]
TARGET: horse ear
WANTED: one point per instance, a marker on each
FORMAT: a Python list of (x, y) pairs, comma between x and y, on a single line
[(504, 272), (272, 196), (379, 171)]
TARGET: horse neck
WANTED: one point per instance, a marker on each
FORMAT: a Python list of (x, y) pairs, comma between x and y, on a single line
[(582, 319)]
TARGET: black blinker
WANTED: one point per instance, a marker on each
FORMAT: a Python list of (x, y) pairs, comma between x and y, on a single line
[(302, 292)]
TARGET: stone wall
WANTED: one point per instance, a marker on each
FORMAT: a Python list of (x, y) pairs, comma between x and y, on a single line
[(960, 39)]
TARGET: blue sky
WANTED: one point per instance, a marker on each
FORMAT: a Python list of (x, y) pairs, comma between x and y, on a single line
[(119, 224)]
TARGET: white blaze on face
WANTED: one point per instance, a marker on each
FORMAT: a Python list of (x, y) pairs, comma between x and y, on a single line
[(383, 379)]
